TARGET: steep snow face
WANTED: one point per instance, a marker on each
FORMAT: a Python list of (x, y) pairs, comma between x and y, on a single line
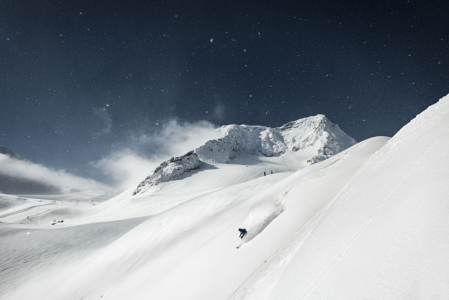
[(242, 139), (169, 170), (386, 235), (317, 134)]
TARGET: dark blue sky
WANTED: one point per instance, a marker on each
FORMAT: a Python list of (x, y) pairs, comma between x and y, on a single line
[(79, 78)]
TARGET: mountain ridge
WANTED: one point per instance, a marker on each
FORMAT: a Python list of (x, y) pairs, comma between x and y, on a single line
[(312, 139), (7, 151)]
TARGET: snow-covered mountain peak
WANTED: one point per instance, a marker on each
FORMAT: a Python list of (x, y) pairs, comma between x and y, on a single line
[(315, 134), (307, 141), (309, 121)]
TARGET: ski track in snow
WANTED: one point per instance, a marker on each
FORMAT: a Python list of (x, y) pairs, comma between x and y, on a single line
[(267, 275)]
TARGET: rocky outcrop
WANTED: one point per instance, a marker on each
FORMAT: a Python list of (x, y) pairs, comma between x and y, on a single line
[(6, 151), (169, 170)]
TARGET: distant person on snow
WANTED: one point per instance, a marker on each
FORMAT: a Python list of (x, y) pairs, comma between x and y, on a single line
[(264, 174), (271, 171), (242, 232)]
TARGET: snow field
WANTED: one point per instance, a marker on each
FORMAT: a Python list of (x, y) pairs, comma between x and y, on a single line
[(369, 222), (189, 242), (29, 254)]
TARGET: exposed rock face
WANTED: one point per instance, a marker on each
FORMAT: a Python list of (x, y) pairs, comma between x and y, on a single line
[(6, 151), (169, 170)]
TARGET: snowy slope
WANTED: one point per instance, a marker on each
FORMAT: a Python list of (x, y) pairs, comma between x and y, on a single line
[(192, 232), (369, 222), (385, 236)]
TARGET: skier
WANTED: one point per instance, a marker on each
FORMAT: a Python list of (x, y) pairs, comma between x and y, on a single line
[(264, 174), (242, 232), (271, 171)]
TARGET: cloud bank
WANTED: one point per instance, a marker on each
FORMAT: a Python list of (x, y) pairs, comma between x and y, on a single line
[(28, 171), (123, 168), (130, 165)]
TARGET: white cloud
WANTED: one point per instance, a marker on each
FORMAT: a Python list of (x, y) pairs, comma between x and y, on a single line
[(127, 168), (21, 169), (179, 138)]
